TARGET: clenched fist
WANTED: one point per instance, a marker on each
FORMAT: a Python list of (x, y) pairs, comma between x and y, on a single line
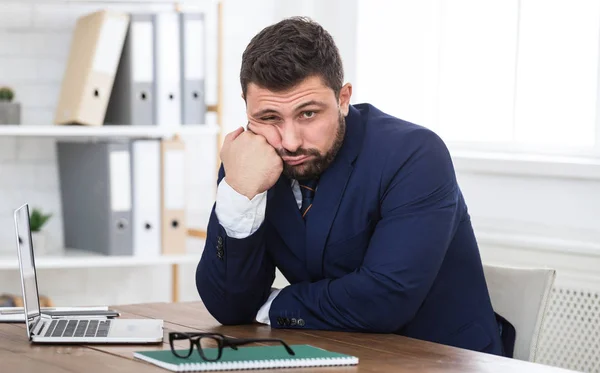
[(252, 166)]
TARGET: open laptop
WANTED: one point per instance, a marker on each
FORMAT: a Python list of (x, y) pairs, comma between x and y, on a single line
[(44, 328)]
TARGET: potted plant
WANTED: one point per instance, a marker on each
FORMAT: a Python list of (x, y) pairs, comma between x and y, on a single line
[(10, 112), (37, 220)]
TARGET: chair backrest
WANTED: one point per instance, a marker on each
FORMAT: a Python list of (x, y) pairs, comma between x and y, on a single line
[(520, 295)]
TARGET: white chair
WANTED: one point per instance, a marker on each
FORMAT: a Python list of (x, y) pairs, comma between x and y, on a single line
[(521, 295)]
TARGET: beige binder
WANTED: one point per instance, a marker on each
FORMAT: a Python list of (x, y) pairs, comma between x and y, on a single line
[(93, 59), (174, 229)]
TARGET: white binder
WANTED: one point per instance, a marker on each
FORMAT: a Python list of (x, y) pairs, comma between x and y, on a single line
[(193, 53), (146, 198), (168, 69), (132, 98)]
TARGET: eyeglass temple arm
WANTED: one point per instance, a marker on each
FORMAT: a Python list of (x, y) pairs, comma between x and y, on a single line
[(233, 343)]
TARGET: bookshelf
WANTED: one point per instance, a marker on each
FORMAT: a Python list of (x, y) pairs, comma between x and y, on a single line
[(78, 259), (82, 259), (86, 259), (105, 132)]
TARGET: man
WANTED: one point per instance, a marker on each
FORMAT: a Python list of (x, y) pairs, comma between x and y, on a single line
[(359, 210)]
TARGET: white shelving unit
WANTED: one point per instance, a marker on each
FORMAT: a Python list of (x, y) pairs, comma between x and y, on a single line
[(86, 259), (104, 132), (70, 258)]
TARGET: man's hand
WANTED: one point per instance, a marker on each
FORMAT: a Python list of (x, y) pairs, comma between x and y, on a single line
[(251, 164)]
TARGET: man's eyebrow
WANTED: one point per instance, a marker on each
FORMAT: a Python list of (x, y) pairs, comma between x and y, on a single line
[(260, 113), (310, 103), (264, 112)]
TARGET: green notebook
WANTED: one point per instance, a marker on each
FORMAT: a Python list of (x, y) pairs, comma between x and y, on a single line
[(260, 357)]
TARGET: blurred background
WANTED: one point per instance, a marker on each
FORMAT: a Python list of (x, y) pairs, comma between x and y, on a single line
[(510, 85)]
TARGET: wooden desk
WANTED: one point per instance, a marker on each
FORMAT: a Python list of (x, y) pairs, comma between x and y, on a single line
[(377, 352)]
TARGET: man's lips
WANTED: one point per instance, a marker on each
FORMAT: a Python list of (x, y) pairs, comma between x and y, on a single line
[(294, 161)]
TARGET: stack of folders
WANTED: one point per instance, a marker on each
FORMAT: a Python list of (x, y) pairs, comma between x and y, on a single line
[(135, 69), (123, 198)]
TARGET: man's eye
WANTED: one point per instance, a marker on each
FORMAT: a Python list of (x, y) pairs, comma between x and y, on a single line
[(308, 114), (267, 119)]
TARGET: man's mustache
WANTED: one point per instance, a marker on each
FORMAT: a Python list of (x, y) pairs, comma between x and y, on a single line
[(307, 152)]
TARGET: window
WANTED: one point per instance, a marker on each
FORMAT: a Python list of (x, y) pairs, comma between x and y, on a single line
[(496, 74)]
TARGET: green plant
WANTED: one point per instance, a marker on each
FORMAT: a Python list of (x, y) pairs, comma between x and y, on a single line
[(6, 94), (38, 219)]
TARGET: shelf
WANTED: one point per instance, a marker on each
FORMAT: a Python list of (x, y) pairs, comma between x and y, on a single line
[(148, 132), (86, 259), (197, 130)]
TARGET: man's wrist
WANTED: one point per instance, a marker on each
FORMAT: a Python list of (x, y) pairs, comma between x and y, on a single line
[(250, 194), (263, 313), (239, 216)]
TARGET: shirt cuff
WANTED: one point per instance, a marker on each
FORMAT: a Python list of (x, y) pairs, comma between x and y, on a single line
[(239, 216), (263, 313)]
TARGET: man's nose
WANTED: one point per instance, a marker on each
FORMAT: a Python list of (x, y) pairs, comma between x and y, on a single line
[(291, 139)]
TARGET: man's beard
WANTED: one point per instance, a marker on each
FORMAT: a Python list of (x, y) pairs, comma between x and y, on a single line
[(315, 167)]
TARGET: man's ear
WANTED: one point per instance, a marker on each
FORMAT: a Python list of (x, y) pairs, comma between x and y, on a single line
[(345, 95)]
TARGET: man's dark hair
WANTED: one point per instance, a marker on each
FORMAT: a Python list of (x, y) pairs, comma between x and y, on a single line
[(284, 54)]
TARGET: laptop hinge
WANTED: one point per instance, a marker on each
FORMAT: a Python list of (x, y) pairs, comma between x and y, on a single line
[(39, 325)]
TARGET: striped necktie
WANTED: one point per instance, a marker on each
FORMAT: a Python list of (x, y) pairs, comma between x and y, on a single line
[(307, 188)]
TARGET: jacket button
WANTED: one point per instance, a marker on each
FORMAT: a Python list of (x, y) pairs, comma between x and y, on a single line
[(294, 321), (301, 322), (280, 321), (220, 240)]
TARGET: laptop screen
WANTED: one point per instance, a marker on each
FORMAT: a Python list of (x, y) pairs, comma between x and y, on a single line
[(27, 265)]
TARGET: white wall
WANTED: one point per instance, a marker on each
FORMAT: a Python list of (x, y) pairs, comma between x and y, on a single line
[(537, 221), (243, 19)]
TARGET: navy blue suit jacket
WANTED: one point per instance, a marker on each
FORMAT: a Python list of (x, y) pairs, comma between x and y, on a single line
[(387, 247)]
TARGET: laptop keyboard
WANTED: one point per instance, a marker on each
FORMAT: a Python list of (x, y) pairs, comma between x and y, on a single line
[(78, 328)]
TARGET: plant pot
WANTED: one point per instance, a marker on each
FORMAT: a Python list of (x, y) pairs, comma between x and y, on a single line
[(10, 113), (39, 243)]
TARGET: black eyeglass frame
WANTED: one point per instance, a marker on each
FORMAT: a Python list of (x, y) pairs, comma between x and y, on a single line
[(221, 340)]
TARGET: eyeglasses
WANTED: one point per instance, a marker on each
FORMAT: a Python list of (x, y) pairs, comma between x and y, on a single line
[(210, 345)]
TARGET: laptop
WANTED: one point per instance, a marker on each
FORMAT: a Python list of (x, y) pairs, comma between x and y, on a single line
[(45, 328)]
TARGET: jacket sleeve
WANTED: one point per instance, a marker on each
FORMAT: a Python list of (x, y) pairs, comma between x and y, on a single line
[(419, 215), (234, 276)]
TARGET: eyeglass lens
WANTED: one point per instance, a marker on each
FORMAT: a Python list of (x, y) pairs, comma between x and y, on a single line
[(210, 347)]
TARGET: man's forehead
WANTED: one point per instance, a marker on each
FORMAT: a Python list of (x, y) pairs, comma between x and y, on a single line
[(309, 89)]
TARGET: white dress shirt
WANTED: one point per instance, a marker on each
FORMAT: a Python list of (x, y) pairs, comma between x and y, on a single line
[(241, 217)]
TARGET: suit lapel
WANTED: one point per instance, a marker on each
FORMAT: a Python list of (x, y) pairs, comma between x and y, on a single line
[(329, 193), (284, 214)]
